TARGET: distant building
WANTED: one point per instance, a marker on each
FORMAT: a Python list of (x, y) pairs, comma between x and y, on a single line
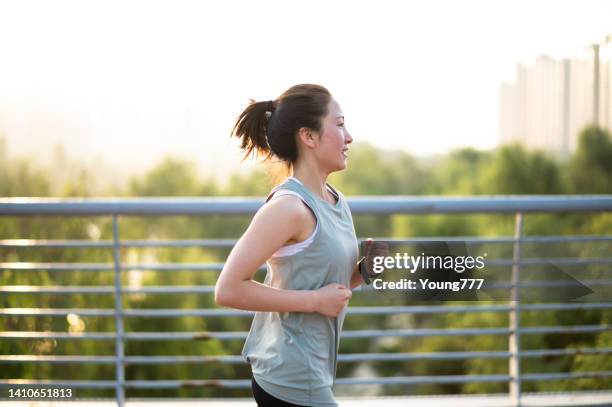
[(551, 100)]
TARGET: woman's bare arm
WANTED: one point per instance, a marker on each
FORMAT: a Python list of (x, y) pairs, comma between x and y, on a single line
[(278, 221)]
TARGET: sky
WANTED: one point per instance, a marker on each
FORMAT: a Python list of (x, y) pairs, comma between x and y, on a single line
[(131, 81)]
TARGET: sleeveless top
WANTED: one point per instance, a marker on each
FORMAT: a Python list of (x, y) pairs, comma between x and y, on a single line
[(294, 248), (293, 355)]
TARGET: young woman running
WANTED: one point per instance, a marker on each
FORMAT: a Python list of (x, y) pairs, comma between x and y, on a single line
[(305, 234)]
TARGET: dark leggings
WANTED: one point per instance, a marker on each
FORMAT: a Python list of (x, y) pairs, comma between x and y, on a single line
[(264, 399)]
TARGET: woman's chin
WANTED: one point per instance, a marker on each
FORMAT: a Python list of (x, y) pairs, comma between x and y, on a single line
[(338, 165)]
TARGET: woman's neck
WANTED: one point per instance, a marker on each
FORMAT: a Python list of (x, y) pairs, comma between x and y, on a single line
[(313, 179)]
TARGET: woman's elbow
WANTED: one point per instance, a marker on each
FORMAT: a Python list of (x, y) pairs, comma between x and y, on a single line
[(223, 295)]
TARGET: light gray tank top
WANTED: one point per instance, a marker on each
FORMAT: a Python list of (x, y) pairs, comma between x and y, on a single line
[(293, 355)]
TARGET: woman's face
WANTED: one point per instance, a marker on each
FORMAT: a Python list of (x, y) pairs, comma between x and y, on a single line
[(334, 139)]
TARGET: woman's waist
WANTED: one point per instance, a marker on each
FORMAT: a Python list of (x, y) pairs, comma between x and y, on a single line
[(296, 324)]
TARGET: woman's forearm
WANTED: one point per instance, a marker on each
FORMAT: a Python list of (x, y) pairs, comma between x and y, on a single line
[(253, 296)]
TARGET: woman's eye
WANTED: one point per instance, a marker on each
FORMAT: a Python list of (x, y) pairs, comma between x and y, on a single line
[(341, 125)]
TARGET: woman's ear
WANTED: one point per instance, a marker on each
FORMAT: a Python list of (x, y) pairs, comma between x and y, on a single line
[(308, 137)]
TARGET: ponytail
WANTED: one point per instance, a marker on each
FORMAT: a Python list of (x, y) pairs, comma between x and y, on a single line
[(252, 128)]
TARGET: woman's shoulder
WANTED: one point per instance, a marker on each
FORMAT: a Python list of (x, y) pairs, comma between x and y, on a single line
[(287, 206)]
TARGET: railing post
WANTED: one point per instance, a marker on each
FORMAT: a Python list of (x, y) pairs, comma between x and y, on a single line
[(514, 345), (119, 352)]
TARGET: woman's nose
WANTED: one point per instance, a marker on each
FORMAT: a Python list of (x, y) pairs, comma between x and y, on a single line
[(348, 138)]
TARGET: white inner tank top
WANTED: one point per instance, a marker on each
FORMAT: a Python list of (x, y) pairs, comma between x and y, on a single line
[(294, 248)]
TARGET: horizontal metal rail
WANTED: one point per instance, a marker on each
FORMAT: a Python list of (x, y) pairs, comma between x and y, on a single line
[(352, 357), (41, 289), (37, 289), (365, 333), (110, 266), (249, 205), (228, 243), (36, 266), (390, 310)]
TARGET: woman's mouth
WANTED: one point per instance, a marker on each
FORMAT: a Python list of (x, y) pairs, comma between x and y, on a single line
[(345, 152)]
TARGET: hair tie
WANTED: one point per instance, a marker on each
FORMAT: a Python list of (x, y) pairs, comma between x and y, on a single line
[(270, 109)]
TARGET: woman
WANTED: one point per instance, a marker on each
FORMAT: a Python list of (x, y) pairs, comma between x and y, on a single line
[(305, 233)]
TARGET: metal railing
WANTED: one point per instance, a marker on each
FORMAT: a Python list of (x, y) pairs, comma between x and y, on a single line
[(517, 205)]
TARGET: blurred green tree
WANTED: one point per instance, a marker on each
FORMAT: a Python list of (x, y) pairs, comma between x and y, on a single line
[(590, 169), (514, 170)]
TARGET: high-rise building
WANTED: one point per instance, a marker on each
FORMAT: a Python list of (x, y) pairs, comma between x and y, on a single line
[(551, 100)]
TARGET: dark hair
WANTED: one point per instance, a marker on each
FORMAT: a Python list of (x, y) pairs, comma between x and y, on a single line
[(274, 133)]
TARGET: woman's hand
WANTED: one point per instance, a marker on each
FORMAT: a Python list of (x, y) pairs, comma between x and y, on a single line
[(331, 299)]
